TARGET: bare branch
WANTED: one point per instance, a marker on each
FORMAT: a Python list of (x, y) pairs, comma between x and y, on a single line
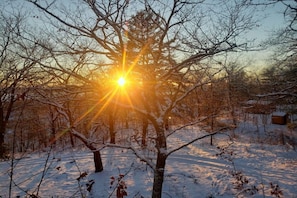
[(196, 139)]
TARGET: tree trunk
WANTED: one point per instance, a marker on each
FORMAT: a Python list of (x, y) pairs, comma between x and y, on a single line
[(98, 161), (2, 131), (144, 132), (159, 175), (2, 147), (96, 153), (111, 128), (71, 140), (161, 146), (53, 128), (21, 146)]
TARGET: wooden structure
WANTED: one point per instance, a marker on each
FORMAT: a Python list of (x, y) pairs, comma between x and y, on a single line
[(279, 118)]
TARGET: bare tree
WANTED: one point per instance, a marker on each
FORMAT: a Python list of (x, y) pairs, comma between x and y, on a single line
[(16, 71), (237, 87), (17, 74), (188, 37), (279, 78)]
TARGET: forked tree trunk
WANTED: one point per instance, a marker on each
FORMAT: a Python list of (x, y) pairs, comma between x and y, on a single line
[(96, 153)]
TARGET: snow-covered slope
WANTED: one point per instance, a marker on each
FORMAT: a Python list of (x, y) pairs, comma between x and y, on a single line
[(243, 167)]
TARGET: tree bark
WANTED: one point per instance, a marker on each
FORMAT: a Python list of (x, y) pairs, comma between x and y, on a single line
[(159, 175), (98, 161), (2, 131), (71, 140), (161, 146), (144, 132)]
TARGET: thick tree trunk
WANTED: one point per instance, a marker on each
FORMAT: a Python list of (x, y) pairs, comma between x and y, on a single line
[(159, 175), (161, 146), (96, 153), (98, 161)]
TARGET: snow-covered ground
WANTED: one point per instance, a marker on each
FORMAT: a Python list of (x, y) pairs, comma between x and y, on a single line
[(251, 165)]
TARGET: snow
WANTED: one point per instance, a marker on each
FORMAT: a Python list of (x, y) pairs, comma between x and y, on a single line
[(259, 102), (279, 113), (252, 164)]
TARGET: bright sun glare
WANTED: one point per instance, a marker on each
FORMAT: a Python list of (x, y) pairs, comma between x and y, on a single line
[(121, 81)]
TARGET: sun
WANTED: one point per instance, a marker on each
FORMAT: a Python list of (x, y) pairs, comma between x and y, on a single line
[(121, 81)]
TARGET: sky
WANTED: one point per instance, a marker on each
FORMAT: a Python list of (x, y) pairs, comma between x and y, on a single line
[(270, 20)]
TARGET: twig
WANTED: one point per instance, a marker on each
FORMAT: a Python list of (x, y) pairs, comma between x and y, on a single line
[(78, 179), (120, 179), (194, 140), (45, 169)]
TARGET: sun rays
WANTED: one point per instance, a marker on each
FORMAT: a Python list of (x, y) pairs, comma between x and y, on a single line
[(121, 92)]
